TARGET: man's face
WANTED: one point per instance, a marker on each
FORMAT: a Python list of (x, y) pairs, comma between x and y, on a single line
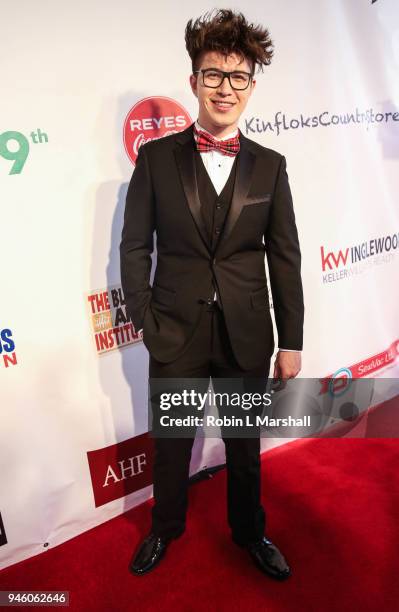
[(220, 108)]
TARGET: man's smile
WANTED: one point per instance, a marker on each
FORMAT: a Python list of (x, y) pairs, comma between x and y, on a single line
[(223, 104)]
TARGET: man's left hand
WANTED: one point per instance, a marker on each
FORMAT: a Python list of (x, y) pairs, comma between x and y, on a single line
[(287, 364)]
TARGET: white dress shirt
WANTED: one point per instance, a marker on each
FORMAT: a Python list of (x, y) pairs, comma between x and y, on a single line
[(218, 167)]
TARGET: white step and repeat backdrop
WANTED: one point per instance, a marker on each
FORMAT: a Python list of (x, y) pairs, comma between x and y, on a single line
[(83, 85)]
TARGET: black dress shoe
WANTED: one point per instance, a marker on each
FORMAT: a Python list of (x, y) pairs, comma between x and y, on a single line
[(148, 555), (269, 559)]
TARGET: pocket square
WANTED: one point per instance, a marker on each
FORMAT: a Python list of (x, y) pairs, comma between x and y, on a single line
[(257, 199)]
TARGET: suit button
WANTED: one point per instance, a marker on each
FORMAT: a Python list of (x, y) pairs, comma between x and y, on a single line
[(209, 301), (217, 230), (218, 206)]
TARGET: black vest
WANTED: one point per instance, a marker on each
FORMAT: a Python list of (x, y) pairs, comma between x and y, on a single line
[(214, 207)]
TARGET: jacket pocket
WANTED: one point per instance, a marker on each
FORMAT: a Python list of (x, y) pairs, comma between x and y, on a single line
[(260, 299), (163, 296), (258, 199)]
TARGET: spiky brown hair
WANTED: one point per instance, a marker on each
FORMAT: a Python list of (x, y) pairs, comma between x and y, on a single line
[(228, 32)]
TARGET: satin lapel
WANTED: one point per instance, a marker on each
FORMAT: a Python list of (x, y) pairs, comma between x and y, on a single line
[(185, 161), (244, 172)]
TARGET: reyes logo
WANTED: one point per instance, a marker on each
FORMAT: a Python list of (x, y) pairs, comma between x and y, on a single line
[(14, 146), (150, 119)]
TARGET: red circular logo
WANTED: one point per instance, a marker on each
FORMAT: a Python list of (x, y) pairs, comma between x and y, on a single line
[(150, 119)]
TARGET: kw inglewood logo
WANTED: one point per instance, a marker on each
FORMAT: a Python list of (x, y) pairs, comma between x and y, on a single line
[(110, 325), (150, 119), (349, 261), (8, 355)]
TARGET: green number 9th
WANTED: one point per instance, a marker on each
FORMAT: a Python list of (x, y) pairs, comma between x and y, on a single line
[(20, 155)]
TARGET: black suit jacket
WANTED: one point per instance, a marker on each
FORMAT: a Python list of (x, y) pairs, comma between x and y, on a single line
[(163, 197)]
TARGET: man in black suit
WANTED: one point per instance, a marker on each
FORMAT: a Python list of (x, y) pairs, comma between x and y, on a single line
[(218, 202)]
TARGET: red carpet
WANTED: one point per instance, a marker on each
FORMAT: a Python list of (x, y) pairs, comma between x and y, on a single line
[(332, 508)]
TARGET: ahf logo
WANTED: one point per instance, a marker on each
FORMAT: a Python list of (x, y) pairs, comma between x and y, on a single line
[(14, 147), (121, 468)]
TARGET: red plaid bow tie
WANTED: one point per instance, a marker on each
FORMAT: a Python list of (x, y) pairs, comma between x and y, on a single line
[(205, 142)]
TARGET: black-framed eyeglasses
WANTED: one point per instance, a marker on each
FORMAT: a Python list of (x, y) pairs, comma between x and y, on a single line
[(213, 77)]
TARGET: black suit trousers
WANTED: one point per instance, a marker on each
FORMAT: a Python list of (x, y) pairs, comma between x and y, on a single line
[(208, 354)]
